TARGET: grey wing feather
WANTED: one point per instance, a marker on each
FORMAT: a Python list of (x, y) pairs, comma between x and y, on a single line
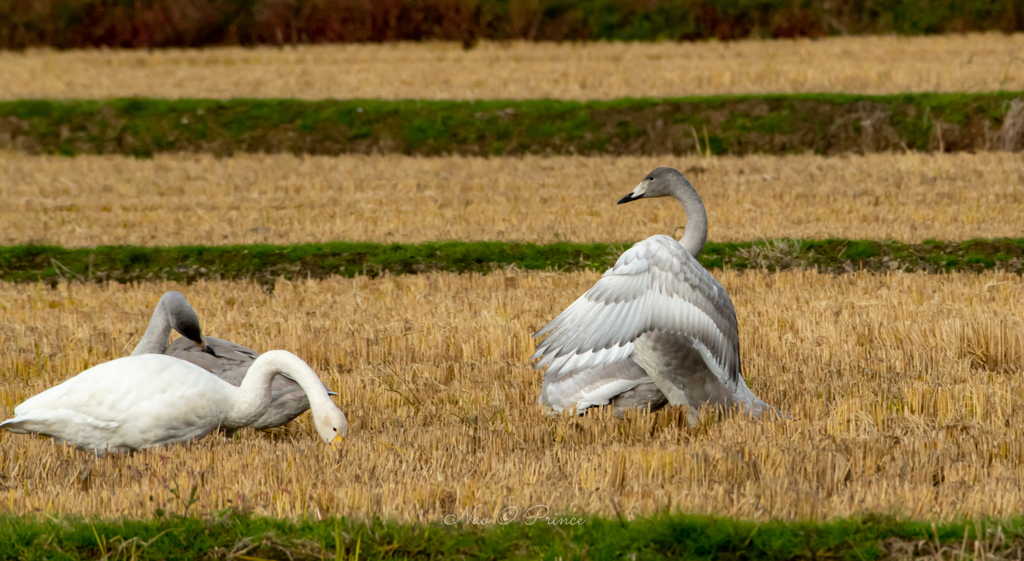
[(230, 364), (621, 384), (287, 399), (654, 286)]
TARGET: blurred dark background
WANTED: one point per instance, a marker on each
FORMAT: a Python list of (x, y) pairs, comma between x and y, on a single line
[(66, 24)]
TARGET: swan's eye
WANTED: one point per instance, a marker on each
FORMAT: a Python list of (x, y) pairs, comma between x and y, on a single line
[(651, 178), (335, 429)]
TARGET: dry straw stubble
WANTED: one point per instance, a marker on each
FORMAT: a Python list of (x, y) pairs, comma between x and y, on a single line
[(905, 392), (172, 200), (870, 65)]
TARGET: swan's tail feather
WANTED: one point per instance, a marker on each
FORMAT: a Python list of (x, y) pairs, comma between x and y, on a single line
[(47, 421), (762, 410), (14, 425)]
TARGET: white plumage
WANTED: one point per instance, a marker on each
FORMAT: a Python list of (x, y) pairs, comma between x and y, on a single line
[(143, 401)]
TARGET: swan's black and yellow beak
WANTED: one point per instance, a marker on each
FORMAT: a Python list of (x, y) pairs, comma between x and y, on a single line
[(337, 441), (638, 193)]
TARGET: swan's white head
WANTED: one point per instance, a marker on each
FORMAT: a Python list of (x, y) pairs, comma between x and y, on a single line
[(331, 424), (659, 183)]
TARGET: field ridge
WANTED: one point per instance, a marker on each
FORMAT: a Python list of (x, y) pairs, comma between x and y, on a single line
[(724, 124), (656, 537), (265, 262)]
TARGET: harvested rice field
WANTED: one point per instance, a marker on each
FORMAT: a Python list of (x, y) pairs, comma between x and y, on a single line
[(185, 199), (866, 65), (905, 392)]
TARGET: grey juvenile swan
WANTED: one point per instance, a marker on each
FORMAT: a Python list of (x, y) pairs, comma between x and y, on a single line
[(226, 360), (656, 328)]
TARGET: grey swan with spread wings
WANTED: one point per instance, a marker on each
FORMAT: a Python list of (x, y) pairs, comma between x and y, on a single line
[(656, 329), (226, 360)]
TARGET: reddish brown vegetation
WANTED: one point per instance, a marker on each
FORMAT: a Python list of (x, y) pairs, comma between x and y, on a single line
[(166, 23)]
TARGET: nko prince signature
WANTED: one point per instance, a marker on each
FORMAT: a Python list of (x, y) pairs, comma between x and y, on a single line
[(529, 516)]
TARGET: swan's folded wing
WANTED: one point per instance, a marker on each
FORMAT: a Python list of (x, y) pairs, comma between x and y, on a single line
[(111, 390), (591, 387), (43, 420), (230, 364), (654, 286)]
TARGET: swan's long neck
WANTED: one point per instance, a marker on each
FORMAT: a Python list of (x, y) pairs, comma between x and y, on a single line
[(253, 396), (696, 234), (154, 341)]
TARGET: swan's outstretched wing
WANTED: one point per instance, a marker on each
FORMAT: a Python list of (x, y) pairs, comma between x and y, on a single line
[(654, 286)]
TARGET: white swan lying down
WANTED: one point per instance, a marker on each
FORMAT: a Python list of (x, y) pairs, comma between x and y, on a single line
[(143, 401)]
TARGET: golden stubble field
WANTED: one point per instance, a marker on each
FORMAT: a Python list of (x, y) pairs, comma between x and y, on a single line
[(188, 199), (905, 391), (876, 65)]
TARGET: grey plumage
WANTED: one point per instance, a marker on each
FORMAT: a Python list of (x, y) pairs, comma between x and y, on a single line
[(649, 288), (657, 320), (621, 385)]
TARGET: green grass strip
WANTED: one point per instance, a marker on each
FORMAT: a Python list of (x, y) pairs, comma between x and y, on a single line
[(771, 124), (658, 537), (266, 263)]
